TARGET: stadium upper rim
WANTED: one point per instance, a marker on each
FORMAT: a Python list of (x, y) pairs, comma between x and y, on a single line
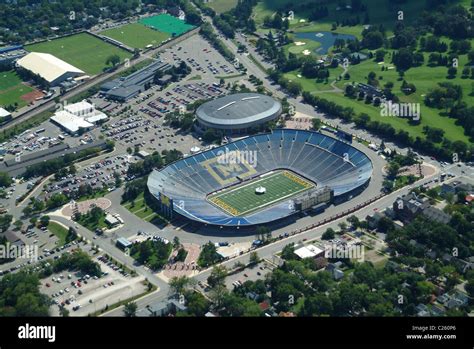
[(238, 111), (317, 157)]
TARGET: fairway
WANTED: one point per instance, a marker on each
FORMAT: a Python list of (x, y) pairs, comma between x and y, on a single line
[(136, 35), (242, 200), (83, 51), (221, 6), (168, 24), (12, 89)]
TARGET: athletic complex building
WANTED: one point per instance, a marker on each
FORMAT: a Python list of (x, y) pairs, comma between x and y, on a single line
[(261, 179), (237, 113)]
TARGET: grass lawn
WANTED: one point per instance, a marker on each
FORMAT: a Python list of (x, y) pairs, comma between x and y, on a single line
[(136, 35), (243, 199), (83, 51), (221, 6), (378, 13), (424, 78), (12, 88), (313, 84), (86, 222), (309, 45), (59, 231), (140, 209)]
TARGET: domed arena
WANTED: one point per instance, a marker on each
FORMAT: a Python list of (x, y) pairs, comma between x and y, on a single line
[(237, 113), (297, 169)]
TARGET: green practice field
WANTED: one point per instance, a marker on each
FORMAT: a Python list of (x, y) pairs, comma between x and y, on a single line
[(243, 199), (12, 88), (167, 24), (83, 51), (136, 35)]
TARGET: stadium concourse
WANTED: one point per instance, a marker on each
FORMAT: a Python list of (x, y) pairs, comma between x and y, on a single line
[(197, 187)]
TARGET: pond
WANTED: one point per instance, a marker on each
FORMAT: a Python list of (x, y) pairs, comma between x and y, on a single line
[(326, 39)]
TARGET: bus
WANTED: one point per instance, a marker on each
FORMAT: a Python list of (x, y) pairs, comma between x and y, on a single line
[(40, 130), (61, 137)]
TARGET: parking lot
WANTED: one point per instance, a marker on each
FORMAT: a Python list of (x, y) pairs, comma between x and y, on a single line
[(254, 273), (200, 56), (40, 138), (82, 294), (98, 175)]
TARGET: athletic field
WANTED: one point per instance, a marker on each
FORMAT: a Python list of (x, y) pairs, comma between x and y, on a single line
[(12, 89), (83, 51), (242, 199), (136, 35), (167, 24)]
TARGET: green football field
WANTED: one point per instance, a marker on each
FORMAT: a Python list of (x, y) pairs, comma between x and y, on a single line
[(243, 199), (83, 51), (136, 35)]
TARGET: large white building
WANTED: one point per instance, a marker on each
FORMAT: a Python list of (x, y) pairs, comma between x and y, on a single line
[(49, 67), (74, 117)]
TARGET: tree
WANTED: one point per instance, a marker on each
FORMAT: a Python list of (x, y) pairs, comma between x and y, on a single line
[(44, 220), (208, 255), (176, 242), (343, 226), (5, 179), (254, 258), (354, 221), (329, 234), (113, 60), (130, 309), (5, 221), (178, 284), (317, 123), (217, 277)]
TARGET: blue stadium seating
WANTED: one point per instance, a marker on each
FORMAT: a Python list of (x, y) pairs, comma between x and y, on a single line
[(322, 159)]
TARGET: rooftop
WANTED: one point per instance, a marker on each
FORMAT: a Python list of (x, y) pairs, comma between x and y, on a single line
[(47, 66)]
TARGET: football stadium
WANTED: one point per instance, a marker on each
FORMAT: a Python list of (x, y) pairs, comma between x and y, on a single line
[(237, 113), (261, 178)]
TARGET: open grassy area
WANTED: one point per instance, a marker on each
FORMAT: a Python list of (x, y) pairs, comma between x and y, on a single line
[(313, 84), (12, 88), (90, 224), (59, 231), (243, 199), (424, 78), (221, 6), (140, 208), (83, 51), (136, 35), (378, 10)]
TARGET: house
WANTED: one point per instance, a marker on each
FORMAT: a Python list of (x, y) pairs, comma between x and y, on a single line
[(437, 311), (162, 308), (13, 238), (337, 274), (409, 206), (422, 310), (309, 251), (251, 295), (443, 298), (436, 215), (111, 220)]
